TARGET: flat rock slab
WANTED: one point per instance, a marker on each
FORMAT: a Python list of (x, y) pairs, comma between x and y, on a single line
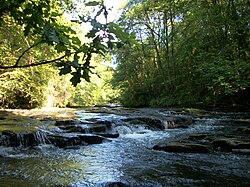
[(29, 139), (157, 124), (183, 148), (205, 143), (241, 151)]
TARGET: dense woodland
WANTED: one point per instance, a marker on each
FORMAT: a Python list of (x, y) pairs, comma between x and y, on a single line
[(166, 53)]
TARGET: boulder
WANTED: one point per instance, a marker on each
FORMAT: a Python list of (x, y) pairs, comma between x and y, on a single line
[(223, 144), (183, 148)]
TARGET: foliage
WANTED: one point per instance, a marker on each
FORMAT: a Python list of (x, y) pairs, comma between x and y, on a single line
[(46, 25), (47, 37), (167, 53), (192, 53), (98, 90)]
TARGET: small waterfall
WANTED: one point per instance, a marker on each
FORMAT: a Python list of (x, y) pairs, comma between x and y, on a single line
[(26, 139), (169, 124), (4, 141), (131, 129), (21, 140), (86, 128), (41, 137), (123, 130)]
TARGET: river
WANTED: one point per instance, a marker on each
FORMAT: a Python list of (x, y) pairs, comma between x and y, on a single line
[(128, 160)]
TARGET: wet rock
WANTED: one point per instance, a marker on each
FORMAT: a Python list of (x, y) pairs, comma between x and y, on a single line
[(88, 129), (92, 139), (153, 123), (243, 145), (223, 144), (4, 140), (109, 135), (64, 141), (156, 124), (13, 139), (183, 148), (242, 121), (173, 124), (47, 119), (241, 151), (65, 123), (95, 126), (244, 130), (9, 133), (197, 136), (115, 184)]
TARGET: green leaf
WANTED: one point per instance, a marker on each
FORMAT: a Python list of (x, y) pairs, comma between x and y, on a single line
[(96, 24), (76, 40), (118, 31), (76, 78), (27, 30), (110, 45), (99, 12), (75, 63), (65, 70), (86, 76), (54, 36), (92, 33), (60, 48), (92, 3), (84, 48), (119, 45)]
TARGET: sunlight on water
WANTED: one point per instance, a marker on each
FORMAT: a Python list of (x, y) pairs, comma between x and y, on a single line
[(128, 158)]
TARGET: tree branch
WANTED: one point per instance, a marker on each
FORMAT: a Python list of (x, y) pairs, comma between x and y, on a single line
[(20, 57), (36, 64)]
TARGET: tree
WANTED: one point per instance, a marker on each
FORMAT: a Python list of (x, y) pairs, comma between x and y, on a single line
[(192, 53), (35, 44), (45, 27)]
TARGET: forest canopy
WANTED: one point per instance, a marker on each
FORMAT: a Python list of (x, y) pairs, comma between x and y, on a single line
[(166, 53), (191, 53)]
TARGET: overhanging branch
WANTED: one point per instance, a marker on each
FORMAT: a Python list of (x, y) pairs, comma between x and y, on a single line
[(36, 64), (20, 57)]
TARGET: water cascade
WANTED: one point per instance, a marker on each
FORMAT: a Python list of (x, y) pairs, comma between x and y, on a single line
[(130, 147)]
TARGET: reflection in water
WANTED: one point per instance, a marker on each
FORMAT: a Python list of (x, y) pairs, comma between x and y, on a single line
[(128, 159)]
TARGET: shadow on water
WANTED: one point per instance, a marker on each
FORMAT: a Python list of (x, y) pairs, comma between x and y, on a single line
[(128, 160)]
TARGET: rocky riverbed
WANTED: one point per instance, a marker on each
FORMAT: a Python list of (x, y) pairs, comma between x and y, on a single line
[(116, 146)]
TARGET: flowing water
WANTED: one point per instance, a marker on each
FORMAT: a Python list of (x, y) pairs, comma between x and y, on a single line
[(128, 159)]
